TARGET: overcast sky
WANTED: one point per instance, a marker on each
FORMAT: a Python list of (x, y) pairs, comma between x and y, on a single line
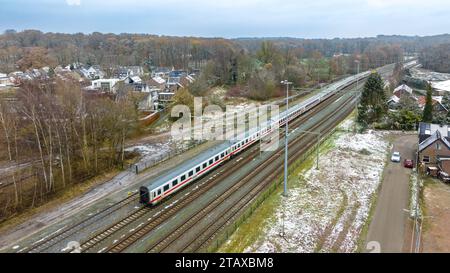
[(230, 19)]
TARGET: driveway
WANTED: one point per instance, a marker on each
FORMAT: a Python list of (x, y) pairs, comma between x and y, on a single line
[(389, 218)]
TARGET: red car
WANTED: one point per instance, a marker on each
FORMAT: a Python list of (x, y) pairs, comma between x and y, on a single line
[(408, 163)]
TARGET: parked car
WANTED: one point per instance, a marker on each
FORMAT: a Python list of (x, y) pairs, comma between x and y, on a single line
[(395, 157), (408, 163), (445, 177)]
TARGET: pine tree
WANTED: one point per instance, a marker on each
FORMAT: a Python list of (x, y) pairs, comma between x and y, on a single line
[(428, 110), (373, 103)]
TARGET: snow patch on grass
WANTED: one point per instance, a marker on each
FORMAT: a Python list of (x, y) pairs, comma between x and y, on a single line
[(327, 208), (414, 204)]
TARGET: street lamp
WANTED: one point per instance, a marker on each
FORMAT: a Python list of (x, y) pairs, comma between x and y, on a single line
[(287, 83)]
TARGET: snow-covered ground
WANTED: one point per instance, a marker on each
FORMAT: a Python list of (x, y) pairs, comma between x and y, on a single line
[(327, 208), (149, 151), (414, 205), (153, 153), (428, 75)]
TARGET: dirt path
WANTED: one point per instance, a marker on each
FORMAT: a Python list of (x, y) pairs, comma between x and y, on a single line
[(390, 219)]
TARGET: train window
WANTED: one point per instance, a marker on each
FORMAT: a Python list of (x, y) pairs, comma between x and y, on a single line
[(154, 194), (183, 178), (159, 191), (217, 158), (166, 187), (211, 161), (175, 182), (191, 173), (204, 165), (222, 155), (197, 170)]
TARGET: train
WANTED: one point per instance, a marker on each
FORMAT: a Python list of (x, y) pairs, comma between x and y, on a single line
[(157, 190)]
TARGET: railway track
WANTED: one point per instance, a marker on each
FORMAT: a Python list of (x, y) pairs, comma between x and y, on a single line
[(154, 222), (207, 234), (132, 238), (47, 242), (246, 198)]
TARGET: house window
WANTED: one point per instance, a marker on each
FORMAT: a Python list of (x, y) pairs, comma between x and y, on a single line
[(426, 159), (438, 146)]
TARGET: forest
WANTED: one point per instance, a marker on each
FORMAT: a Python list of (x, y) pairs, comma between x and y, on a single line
[(251, 64), (251, 68), (55, 136), (436, 58)]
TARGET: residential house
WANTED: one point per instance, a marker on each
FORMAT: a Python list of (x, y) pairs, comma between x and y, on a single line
[(393, 102), (136, 83), (121, 72), (177, 74), (174, 84), (18, 77), (106, 85), (92, 73), (434, 146), (403, 90), (132, 79), (165, 97), (436, 101), (162, 72), (399, 92), (157, 83)]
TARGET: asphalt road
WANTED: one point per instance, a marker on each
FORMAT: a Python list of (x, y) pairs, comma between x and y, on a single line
[(389, 220)]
